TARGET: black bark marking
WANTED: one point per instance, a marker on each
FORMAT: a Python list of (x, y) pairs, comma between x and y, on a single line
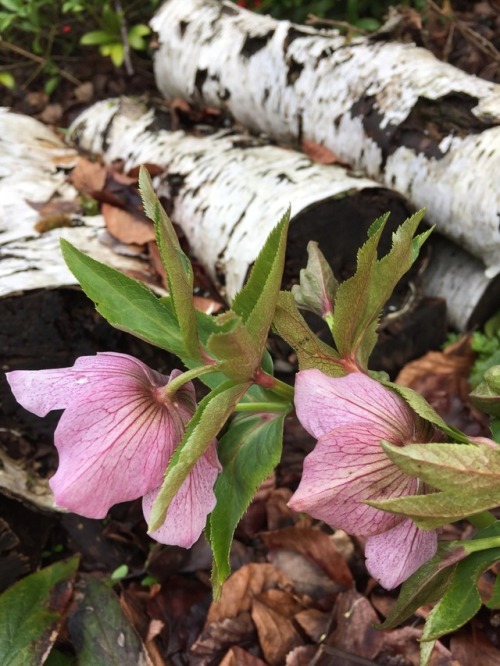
[(292, 35), (294, 71), (182, 27), (427, 124), (229, 11), (254, 43), (265, 96), (199, 80), (175, 183)]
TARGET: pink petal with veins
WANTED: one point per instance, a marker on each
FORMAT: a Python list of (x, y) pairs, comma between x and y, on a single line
[(391, 557), (345, 469), (117, 432), (324, 403), (188, 511)]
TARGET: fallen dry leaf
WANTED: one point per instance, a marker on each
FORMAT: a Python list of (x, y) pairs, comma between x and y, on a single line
[(277, 634), (236, 656), (217, 637), (315, 545), (314, 622), (307, 577), (474, 650), (320, 154), (242, 586), (88, 177), (301, 656), (442, 378), (126, 227)]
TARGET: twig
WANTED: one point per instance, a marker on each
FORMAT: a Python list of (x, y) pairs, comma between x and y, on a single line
[(312, 19), (32, 56), (126, 46)]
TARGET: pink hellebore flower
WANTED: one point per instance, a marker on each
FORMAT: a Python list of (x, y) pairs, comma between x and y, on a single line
[(350, 416), (116, 436)]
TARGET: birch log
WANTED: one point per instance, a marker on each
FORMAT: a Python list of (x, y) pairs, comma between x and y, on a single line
[(228, 190), (393, 110)]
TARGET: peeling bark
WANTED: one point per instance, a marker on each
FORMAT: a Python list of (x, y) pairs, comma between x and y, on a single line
[(393, 110), (228, 190)]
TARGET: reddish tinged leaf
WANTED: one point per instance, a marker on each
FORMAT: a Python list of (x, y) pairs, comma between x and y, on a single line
[(217, 637), (126, 227), (316, 546), (314, 622)]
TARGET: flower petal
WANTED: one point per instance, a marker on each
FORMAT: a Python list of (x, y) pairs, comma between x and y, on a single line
[(325, 403), (188, 511), (117, 432), (344, 470), (393, 556)]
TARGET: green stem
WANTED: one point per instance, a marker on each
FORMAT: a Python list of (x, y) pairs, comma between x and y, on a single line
[(261, 407), (476, 545), (482, 520), (172, 387)]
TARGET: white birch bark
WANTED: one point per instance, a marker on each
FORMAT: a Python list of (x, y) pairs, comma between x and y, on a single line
[(393, 110), (34, 164), (227, 198), (229, 189)]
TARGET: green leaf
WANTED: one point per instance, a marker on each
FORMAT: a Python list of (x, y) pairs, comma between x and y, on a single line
[(249, 451), (235, 348), (311, 351), (97, 38), (7, 80), (31, 611), (420, 405), (437, 509), (211, 415), (462, 599), (426, 585), (177, 265), (450, 467), (256, 302), (494, 601), (426, 648), (126, 303), (360, 299), (101, 633), (318, 286)]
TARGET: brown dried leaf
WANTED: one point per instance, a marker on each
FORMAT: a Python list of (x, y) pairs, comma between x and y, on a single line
[(474, 650), (52, 222), (314, 622), (88, 177), (304, 655), (236, 656), (126, 227), (315, 545), (277, 635), (55, 206), (320, 154), (354, 633), (442, 378), (240, 588), (217, 637), (307, 577)]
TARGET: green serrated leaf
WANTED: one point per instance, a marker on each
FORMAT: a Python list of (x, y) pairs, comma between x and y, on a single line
[(360, 299), (426, 585), (450, 467), (248, 452), (426, 648), (438, 509), (31, 611), (100, 631), (210, 416), (462, 599), (256, 301), (126, 303), (494, 601), (177, 265), (420, 405), (234, 349), (311, 351)]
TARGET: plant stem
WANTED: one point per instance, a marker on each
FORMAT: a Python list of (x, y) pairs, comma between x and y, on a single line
[(173, 386), (261, 407), (32, 56), (476, 545)]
